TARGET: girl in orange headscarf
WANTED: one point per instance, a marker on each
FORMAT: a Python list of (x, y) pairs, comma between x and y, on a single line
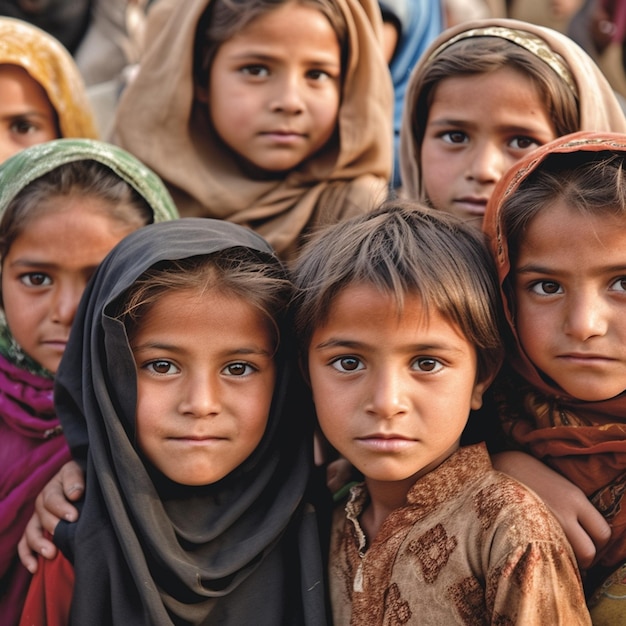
[(557, 229)]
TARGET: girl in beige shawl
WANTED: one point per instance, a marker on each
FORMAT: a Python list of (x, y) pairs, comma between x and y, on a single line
[(165, 118), (558, 90)]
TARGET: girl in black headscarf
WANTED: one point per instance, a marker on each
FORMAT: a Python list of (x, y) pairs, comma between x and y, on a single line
[(178, 393)]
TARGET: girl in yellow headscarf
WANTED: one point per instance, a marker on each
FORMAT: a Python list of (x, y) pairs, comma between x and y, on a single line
[(42, 94)]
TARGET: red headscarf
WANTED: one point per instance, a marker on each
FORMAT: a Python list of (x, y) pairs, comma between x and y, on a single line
[(585, 441)]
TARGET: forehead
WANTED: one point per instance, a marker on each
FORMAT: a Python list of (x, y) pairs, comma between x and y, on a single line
[(508, 87), (572, 239)]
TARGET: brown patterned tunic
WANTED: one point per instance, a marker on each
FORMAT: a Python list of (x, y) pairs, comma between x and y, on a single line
[(471, 546)]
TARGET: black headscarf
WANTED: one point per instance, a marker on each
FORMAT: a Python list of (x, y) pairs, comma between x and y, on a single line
[(242, 551)]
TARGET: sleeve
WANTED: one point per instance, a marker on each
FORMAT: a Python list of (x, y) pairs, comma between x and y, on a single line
[(537, 584)]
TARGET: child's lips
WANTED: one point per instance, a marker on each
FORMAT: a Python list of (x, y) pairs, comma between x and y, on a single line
[(58, 344), (197, 440), (283, 135), (473, 205), (386, 442), (586, 358)]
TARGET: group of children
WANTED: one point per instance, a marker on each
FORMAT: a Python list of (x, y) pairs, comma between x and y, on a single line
[(190, 360)]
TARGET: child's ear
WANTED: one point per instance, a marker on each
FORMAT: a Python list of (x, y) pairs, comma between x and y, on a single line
[(479, 389)]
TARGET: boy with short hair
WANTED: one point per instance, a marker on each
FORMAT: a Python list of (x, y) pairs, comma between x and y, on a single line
[(398, 316)]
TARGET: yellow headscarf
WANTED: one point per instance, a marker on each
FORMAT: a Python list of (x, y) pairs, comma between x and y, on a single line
[(52, 66)]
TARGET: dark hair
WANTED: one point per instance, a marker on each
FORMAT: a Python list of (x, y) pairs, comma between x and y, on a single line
[(405, 248), (225, 18), (86, 178), (588, 182), (258, 279)]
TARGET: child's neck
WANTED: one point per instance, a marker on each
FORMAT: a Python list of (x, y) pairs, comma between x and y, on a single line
[(385, 497)]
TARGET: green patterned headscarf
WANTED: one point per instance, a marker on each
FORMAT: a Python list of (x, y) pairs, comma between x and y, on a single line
[(30, 164)]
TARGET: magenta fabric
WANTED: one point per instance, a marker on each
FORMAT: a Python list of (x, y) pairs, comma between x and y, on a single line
[(31, 452)]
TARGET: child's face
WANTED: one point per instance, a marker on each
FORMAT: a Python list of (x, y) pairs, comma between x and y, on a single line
[(26, 115), (392, 394), (205, 379), (47, 268), (275, 88), (477, 127), (570, 300)]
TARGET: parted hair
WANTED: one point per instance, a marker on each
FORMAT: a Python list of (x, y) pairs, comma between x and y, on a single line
[(258, 279), (483, 55), (404, 248), (84, 179), (588, 182)]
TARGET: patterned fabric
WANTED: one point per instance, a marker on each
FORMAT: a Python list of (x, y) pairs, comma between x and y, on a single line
[(584, 441), (50, 64), (158, 116), (608, 604), (530, 42), (598, 106), (471, 546)]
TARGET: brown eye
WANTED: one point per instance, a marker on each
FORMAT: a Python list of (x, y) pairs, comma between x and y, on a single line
[(546, 288), (35, 279), (162, 367), (427, 364), (347, 364), (238, 369)]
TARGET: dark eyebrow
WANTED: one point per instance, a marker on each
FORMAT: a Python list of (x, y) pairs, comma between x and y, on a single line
[(159, 345), (530, 268), (356, 345)]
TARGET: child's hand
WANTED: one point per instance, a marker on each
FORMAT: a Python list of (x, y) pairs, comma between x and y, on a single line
[(51, 505), (338, 474), (584, 526)]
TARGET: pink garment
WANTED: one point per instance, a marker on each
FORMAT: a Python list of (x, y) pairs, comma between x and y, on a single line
[(32, 450)]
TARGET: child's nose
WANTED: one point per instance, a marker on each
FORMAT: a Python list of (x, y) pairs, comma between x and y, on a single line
[(201, 396), (586, 317), (65, 303), (388, 397), (487, 163), (287, 97)]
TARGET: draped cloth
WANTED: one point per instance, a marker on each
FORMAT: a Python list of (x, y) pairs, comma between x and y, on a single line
[(419, 22), (32, 448), (159, 120), (598, 106), (584, 441), (51, 65), (244, 550)]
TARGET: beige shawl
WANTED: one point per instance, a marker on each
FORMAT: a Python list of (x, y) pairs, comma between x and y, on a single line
[(598, 106), (159, 122), (51, 65)]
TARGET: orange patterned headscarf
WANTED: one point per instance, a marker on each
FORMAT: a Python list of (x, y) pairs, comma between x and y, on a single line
[(52, 66), (584, 441)]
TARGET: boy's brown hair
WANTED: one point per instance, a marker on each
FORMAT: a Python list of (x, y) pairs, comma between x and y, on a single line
[(404, 248)]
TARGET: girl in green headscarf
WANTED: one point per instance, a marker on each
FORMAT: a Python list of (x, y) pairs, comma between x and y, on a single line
[(63, 205)]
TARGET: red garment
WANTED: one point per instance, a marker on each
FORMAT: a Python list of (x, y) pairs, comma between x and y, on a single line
[(49, 596)]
